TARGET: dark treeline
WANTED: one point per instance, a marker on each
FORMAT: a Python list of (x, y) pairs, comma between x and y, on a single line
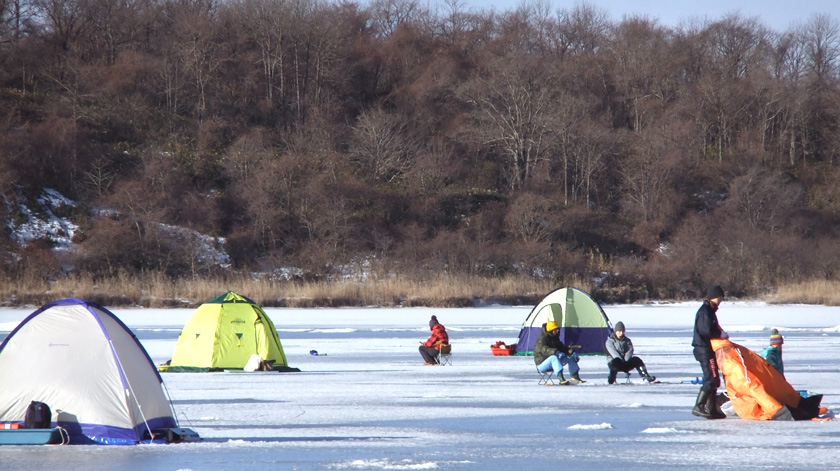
[(320, 134)]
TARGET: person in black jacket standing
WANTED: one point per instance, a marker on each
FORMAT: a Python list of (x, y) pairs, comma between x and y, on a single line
[(706, 328)]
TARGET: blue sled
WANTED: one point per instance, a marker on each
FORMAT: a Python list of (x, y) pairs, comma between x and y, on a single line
[(34, 436)]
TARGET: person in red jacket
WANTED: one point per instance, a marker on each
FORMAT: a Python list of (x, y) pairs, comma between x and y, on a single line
[(429, 349)]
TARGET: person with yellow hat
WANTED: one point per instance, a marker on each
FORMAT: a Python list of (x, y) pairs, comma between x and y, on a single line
[(552, 354)]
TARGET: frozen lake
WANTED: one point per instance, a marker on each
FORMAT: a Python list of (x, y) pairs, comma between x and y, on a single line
[(368, 404)]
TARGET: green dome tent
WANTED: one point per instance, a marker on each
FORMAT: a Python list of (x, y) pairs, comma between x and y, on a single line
[(224, 333), (583, 324)]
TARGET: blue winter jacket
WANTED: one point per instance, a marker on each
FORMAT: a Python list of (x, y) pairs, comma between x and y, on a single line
[(773, 355)]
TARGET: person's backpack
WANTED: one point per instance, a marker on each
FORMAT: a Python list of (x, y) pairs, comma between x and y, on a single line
[(38, 415)]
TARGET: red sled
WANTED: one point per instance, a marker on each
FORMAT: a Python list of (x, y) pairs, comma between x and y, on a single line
[(500, 349)]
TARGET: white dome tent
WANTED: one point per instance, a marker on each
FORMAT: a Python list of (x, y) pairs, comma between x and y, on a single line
[(89, 368)]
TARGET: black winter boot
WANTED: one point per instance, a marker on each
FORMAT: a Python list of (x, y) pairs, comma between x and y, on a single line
[(700, 406), (712, 407), (644, 374), (611, 377)]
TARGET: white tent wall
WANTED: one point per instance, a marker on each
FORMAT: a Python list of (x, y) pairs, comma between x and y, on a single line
[(45, 358), (142, 382)]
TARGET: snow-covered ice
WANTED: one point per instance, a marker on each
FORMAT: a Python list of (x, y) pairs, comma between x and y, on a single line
[(366, 403)]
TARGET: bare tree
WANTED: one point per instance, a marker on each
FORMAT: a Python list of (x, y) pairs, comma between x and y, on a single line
[(822, 47), (100, 176), (314, 37), (271, 199), (571, 113), (16, 19), (382, 145), (514, 110), (64, 19), (595, 147), (528, 218), (200, 61), (648, 173), (266, 23), (454, 20), (111, 26), (736, 45), (725, 100), (247, 155), (646, 84), (432, 167), (763, 199), (583, 29), (822, 44), (388, 15)]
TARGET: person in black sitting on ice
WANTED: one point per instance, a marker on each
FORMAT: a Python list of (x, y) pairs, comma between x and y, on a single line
[(620, 348)]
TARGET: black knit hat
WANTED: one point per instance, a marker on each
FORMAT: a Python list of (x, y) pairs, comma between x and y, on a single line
[(714, 291), (433, 322), (619, 326)]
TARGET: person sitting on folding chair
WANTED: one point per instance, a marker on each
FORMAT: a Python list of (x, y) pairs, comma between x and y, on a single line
[(552, 354), (620, 348), (429, 349)]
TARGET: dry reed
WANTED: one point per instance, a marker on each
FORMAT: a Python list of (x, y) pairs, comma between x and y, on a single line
[(824, 292), (157, 290), (438, 290)]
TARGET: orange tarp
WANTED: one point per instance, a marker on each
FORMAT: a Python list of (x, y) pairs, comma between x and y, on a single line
[(756, 389)]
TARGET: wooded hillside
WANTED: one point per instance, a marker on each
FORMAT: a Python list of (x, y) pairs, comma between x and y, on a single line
[(323, 135)]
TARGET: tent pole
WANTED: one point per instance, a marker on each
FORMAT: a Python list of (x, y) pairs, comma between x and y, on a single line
[(171, 406), (131, 390)]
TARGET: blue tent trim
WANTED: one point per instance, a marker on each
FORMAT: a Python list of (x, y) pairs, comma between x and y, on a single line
[(587, 340), (93, 434)]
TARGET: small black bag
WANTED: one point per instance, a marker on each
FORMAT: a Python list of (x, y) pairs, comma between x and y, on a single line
[(38, 415)]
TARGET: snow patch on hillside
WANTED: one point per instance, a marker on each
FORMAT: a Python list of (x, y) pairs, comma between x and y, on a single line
[(43, 223), (207, 250)]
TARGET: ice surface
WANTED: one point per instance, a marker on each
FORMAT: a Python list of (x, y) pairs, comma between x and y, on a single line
[(368, 404)]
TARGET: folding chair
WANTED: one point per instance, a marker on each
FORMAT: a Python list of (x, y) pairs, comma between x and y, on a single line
[(626, 375), (444, 356), (545, 377)]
